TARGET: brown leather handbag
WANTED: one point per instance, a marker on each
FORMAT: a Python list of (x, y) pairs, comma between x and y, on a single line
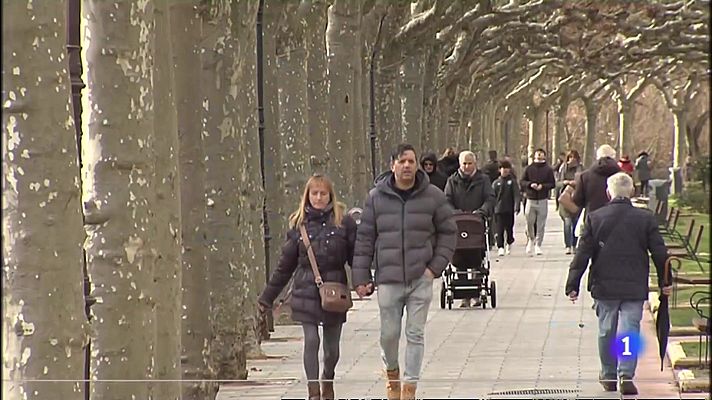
[(335, 296), (566, 200)]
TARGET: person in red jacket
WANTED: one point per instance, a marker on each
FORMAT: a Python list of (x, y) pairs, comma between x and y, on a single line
[(626, 165)]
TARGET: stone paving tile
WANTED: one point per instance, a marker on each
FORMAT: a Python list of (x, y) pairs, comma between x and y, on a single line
[(532, 340)]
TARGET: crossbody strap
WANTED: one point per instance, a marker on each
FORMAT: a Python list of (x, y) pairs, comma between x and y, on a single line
[(310, 254)]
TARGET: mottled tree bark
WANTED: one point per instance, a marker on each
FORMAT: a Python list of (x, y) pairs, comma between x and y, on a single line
[(626, 115), (44, 326), (167, 273), (535, 119), (219, 58), (411, 98), (196, 329), (118, 195), (250, 245), (293, 121), (558, 139), (360, 144), (592, 109), (341, 39), (277, 210), (317, 86)]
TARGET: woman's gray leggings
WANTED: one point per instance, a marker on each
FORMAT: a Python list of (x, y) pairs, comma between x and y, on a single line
[(332, 339)]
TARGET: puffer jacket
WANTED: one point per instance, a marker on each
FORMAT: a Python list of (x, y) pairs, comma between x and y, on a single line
[(448, 165), (617, 239), (590, 191), (402, 238), (333, 247), (467, 193), (642, 168)]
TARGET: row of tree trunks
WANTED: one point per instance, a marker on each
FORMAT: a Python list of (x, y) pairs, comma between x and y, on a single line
[(44, 325)]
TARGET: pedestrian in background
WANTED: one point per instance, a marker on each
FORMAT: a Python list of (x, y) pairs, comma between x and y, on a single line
[(537, 180), (507, 205)]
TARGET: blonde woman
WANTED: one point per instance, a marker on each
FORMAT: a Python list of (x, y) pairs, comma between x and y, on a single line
[(332, 235)]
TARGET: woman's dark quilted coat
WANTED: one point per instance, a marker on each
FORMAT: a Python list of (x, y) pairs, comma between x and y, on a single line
[(333, 247)]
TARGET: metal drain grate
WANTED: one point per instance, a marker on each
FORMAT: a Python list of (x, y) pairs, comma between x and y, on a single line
[(534, 392)]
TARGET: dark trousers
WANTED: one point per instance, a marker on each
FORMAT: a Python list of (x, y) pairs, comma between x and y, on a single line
[(504, 224), (332, 338)]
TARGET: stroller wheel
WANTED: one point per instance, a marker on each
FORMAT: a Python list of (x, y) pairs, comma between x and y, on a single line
[(450, 300), (442, 296), (493, 294)]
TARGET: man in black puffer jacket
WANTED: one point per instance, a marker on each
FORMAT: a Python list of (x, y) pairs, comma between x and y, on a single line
[(537, 181), (617, 239), (408, 232)]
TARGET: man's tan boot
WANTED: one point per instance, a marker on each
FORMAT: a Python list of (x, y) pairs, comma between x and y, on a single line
[(408, 391), (393, 387)]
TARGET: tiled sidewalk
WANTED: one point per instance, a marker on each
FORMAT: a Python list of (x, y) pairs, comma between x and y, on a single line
[(535, 339)]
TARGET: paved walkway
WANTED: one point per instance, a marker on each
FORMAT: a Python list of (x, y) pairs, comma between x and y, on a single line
[(535, 339)]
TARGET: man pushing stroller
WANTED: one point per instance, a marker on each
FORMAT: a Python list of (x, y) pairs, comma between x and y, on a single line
[(469, 190)]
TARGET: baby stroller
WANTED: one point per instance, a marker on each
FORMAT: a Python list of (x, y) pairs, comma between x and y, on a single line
[(472, 249)]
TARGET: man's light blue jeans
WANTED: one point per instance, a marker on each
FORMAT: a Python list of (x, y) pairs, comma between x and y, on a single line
[(415, 297), (609, 313)]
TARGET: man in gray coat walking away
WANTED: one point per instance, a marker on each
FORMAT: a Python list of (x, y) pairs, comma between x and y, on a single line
[(408, 232)]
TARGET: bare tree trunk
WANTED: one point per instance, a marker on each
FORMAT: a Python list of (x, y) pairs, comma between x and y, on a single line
[(196, 336), (411, 97), (360, 145), (430, 69), (118, 177), (167, 273), (560, 127), (514, 139), (535, 117), (45, 327), (291, 59), (444, 105), (387, 106), (626, 112), (678, 145), (341, 40), (250, 199), (592, 109), (222, 167), (317, 86), (274, 181)]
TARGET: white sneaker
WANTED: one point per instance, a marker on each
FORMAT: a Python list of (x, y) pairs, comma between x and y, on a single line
[(500, 252), (568, 250), (530, 245), (537, 250), (506, 249)]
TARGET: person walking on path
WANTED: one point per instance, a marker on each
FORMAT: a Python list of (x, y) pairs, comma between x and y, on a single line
[(333, 236), (492, 166), (429, 163), (590, 191), (642, 168), (506, 193), (469, 190), (567, 177), (537, 180), (616, 239), (408, 232)]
